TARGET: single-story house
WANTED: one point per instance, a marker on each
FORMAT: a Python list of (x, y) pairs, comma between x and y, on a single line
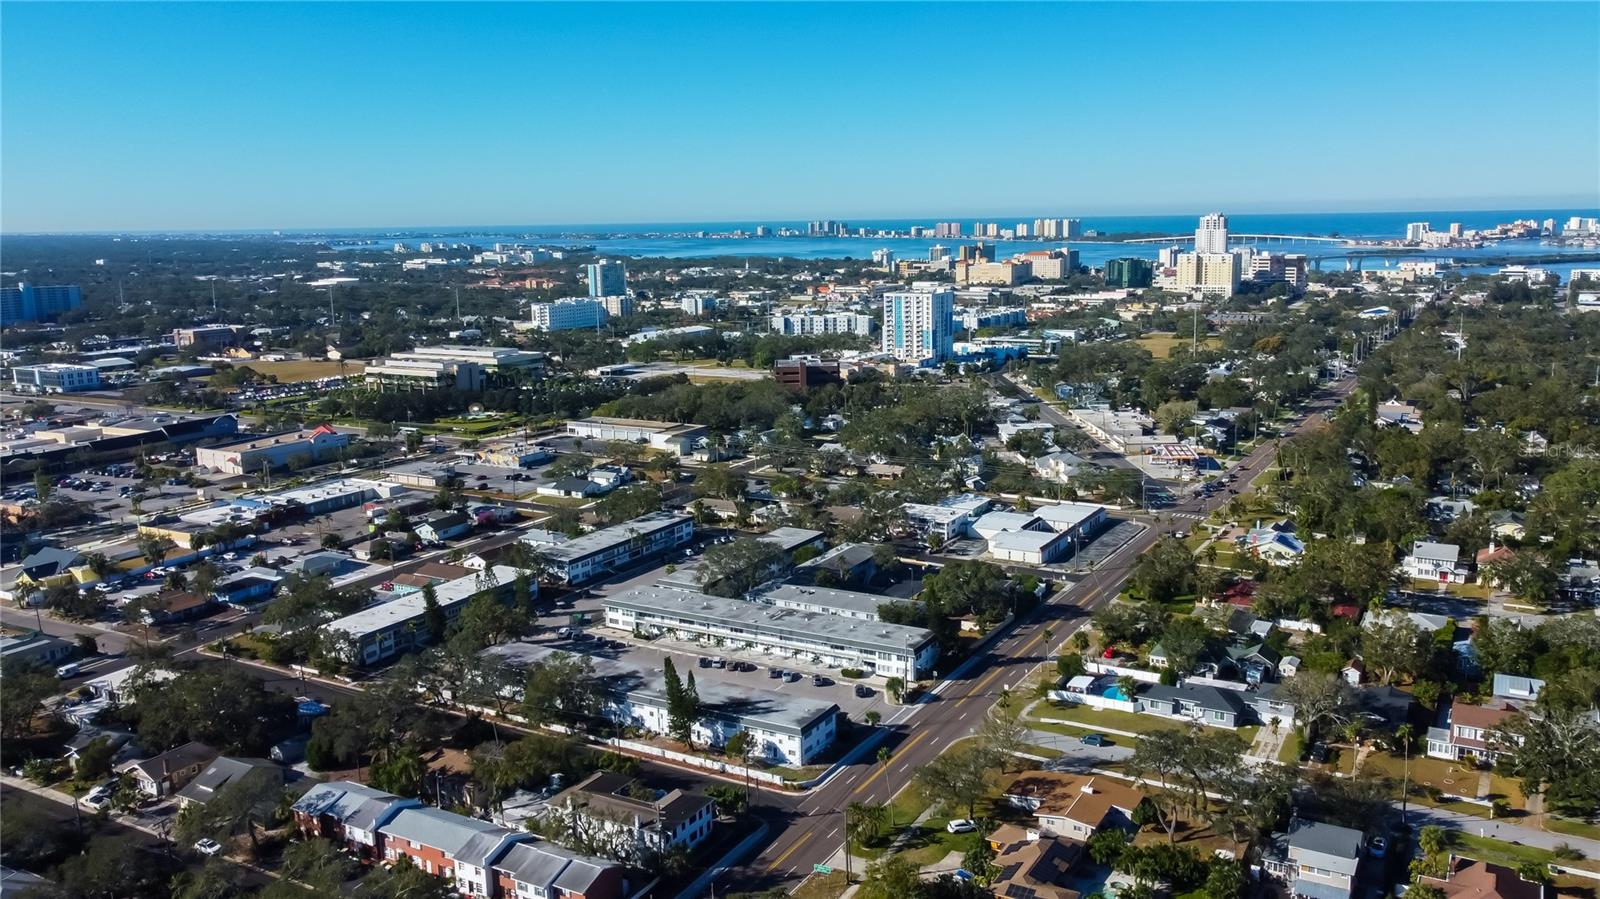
[(222, 772), (162, 775), (1203, 704)]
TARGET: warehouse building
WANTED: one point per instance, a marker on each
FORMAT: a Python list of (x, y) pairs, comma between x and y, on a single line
[(662, 435), (272, 450), (890, 650)]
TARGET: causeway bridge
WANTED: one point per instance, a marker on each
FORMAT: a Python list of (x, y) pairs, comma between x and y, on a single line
[(1258, 238)]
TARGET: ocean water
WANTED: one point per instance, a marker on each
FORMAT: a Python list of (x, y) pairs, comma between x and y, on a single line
[(683, 240)]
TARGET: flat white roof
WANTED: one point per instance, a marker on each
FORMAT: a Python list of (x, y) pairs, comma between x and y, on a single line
[(1066, 516)]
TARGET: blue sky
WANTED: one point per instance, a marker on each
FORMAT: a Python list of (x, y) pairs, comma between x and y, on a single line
[(212, 116)]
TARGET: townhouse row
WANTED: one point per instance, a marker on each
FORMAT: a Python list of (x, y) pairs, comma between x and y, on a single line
[(480, 859)]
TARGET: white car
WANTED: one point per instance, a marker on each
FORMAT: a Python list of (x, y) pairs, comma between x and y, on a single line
[(208, 846), (961, 825)]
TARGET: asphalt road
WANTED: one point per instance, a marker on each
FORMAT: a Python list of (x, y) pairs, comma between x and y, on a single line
[(809, 829)]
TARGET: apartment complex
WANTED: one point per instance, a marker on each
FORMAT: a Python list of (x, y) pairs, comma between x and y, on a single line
[(582, 559), (36, 302), (480, 859), (890, 650), (607, 278), (54, 377), (1130, 273), (611, 802), (272, 450), (567, 315), (917, 323), (785, 728), (1211, 237), (390, 628), (793, 323), (1212, 274)]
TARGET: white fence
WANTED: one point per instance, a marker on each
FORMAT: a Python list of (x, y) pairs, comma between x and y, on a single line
[(1138, 674)]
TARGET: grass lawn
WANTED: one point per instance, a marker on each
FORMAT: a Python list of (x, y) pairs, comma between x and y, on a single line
[(294, 370), (1479, 592), (1498, 852), (1119, 720), (1451, 777), (1162, 345), (821, 886), (1289, 753), (1572, 827)]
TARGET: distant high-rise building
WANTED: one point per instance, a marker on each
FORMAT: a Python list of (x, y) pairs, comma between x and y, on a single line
[(883, 257), (1213, 274), (938, 252), (33, 302), (992, 229), (1455, 229), (1212, 235), (763, 231), (918, 324), (607, 278), (567, 315), (1129, 272), (977, 252), (1417, 232), (1167, 257), (618, 305), (1071, 229), (1021, 230)]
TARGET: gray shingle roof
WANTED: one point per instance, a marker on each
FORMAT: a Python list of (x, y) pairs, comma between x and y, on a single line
[(220, 773)]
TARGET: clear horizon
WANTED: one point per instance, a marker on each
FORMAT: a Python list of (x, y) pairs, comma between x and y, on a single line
[(304, 117)]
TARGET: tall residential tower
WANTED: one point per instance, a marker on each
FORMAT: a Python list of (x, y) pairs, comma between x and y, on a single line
[(918, 324)]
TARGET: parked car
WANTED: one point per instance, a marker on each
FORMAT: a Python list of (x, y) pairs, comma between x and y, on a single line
[(961, 825), (208, 846), (818, 680), (863, 691), (704, 662), (774, 672), (1377, 846), (791, 676), (1093, 739)]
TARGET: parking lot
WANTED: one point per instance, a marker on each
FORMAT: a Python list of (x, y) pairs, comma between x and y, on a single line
[(650, 655)]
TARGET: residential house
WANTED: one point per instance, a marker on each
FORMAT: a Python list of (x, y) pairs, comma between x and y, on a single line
[(46, 567), (1316, 860), (350, 814), (1200, 703), (1468, 731), (1447, 508), (569, 487), (222, 772), (1514, 688), (612, 802), (1269, 705), (1402, 415), (1472, 879), (441, 526), (164, 774), (1579, 582), (1033, 866), (1435, 562), (1507, 525), (34, 648), (1074, 806), (1277, 547), (175, 607)]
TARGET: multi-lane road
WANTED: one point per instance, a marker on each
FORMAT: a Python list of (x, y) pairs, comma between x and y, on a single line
[(808, 829)]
